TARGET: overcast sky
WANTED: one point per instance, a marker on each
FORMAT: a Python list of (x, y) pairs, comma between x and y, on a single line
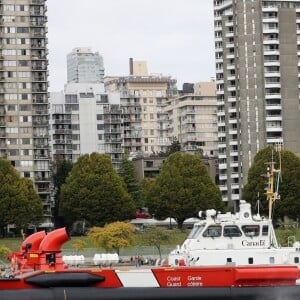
[(175, 37)]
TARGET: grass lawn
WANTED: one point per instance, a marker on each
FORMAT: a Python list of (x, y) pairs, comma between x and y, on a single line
[(14, 243), (177, 238)]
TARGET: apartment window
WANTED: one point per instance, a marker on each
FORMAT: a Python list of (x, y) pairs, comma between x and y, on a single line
[(8, 7), (25, 107), (24, 74), (23, 63), (13, 152), (23, 52), (11, 74), (25, 118), (9, 52), (25, 141), (10, 96), (11, 107), (21, 19), (149, 163), (12, 141), (9, 41), (26, 174), (11, 129), (22, 41), (42, 165), (9, 29), (10, 63), (25, 129), (26, 163), (21, 7)]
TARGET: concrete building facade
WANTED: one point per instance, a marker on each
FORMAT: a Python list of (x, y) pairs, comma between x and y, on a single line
[(143, 98), (85, 119), (257, 47), (23, 94), (193, 119)]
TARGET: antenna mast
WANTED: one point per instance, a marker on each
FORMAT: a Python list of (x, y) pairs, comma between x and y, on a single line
[(272, 195)]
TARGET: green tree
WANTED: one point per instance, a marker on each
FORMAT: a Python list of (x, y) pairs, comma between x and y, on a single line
[(289, 185), (182, 189), (79, 245), (174, 147), (147, 185), (113, 236), (19, 202), (61, 171), (4, 252), (95, 192), (128, 172), (156, 236)]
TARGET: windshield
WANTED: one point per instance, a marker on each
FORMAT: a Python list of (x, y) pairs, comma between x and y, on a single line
[(196, 231)]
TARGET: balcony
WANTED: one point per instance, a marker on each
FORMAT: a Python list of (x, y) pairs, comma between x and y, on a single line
[(273, 107), (273, 118), (274, 129)]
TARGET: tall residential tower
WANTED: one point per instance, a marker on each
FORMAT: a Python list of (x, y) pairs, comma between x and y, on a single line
[(23, 93), (257, 48), (84, 66)]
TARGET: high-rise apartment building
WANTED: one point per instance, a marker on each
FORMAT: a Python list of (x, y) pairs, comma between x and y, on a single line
[(257, 47), (143, 98), (85, 119), (84, 66), (23, 93), (193, 119)]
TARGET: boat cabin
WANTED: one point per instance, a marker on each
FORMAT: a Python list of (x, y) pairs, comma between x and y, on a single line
[(231, 231)]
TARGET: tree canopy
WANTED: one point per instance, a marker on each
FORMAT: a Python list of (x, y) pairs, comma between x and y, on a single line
[(113, 236), (174, 147), (95, 192), (289, 184), (19, 202), (128, 172), (61, 171), (156, 236), (182, 189)]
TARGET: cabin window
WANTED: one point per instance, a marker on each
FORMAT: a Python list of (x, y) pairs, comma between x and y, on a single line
[(229, 260), (250, 260), (232, 231), (213, 231), (251, 230), (296, 260), (272, 260), (265, 230), (197, 229)]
